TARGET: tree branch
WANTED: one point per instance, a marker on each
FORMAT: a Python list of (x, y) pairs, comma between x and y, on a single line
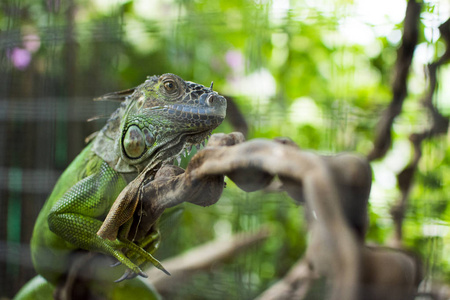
[(439, 126), (383, 138)]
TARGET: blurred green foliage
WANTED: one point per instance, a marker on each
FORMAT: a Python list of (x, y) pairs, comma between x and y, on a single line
[(317, 72)]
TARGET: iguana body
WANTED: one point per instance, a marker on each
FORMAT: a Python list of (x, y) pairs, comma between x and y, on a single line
[(157, 121)]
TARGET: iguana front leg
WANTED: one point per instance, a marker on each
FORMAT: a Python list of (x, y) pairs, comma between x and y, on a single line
[(76, 218)]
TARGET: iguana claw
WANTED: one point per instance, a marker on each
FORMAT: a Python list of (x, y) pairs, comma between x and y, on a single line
[(117, 263), (122, 278), (159, 266), (130, 275)]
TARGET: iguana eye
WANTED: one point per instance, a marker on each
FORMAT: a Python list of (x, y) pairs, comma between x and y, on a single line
[(170, 87)]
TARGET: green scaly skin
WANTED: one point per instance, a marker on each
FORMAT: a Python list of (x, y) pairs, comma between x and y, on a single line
[(157, 121)]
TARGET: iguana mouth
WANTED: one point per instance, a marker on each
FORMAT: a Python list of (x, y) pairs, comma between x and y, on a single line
[(211, 106), (199, 111)]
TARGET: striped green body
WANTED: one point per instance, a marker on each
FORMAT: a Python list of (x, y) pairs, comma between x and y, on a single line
[(73, 213)]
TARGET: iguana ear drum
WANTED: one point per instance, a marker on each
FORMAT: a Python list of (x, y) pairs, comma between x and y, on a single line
[(134, 142)]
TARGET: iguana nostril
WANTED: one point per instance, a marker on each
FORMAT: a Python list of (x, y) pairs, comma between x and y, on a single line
[(210, 100)]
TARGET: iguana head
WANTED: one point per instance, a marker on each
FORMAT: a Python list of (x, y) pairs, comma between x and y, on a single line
[(160, 118)]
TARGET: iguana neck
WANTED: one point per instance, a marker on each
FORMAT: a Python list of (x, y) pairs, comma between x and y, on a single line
[(105, 144)]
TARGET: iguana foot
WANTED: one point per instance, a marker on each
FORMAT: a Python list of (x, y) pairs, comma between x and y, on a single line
[(115, 250)]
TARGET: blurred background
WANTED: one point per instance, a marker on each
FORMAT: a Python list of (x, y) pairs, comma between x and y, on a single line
[(318, 72)]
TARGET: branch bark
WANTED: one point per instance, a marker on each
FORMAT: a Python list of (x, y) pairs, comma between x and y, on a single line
[(294, 285), (439, 126), (252, 165), (383, 137)]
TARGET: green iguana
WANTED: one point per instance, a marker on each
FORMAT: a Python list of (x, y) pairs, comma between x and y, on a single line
[(156, 122)]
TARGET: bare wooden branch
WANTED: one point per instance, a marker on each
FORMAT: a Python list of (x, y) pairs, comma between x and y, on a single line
[(335, 190), (439, 126), (294, 285), (252, 165), (405, 53), (235, 116)]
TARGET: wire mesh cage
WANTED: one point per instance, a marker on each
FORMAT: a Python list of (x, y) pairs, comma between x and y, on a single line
[(318, 73)]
